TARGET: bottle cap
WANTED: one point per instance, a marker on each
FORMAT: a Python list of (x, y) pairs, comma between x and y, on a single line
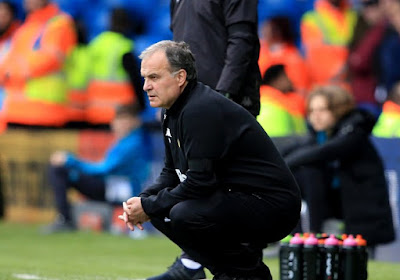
[(311, 240), (296, 239), (360, 240), (331, 241), (350, 241)]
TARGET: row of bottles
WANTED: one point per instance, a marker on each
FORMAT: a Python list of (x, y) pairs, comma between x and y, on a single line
[(323, 257)]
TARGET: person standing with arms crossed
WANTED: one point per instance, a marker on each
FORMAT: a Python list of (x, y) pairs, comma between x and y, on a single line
[(224, 192)]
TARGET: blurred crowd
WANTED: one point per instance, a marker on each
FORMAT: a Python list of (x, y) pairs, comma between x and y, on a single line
[(354, 46), (70, 63), (60, 64)]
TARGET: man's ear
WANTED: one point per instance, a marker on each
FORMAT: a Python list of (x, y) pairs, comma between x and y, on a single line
[(181, 76)]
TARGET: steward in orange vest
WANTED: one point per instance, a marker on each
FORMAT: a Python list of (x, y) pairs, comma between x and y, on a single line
[(325, 34), (388, 124), (282, 110), (77, 67), (277, 46), (114, 78), (32, 73)]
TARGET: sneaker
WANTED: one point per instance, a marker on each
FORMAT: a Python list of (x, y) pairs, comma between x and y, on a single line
[(177, 271), (59, 225)]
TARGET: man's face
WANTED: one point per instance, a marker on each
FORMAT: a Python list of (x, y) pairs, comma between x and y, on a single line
[(6, 16), (372, 11), (163, 87), (336, 3), (284, 84), (33, 5)]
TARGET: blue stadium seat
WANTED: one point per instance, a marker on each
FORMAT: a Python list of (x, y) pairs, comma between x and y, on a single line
[(140, 8), (143, 41), (307, 5), (72, 7), (160, 23), (20, 10), (96, 20), (270, 8)]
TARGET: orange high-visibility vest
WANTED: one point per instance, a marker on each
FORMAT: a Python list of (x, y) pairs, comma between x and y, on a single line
[(290, 57), (281, 114), (32, 73), (109, 84), (77, 69), (388, 124), (325, 34)]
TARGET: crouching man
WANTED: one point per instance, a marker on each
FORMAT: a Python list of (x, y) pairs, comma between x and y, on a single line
[(224, 192)]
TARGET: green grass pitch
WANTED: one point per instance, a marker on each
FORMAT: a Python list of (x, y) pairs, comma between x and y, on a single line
[(26, 254)]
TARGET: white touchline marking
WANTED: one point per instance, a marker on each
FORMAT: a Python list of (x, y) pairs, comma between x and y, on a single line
[(26, 276), (36, 277)]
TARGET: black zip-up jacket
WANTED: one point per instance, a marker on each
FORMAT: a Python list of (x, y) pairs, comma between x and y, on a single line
[(213, 143), (223, 36)]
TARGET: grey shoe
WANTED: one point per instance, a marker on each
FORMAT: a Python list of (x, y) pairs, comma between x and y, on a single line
[(59, 225), (177, 271)]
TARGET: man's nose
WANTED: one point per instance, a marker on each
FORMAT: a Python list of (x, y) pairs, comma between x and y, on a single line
[(146, 85)]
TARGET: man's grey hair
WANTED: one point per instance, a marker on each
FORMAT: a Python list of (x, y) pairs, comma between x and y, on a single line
[(178, 55)]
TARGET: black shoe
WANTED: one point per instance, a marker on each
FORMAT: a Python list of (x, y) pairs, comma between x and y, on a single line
[(59, 225), (177, 271)]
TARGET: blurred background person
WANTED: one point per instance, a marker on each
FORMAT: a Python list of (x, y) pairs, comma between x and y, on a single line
[(339, 170), (282, 112), (114, 179), (388, 124), (364, 51), (278, 46), (32, 73), (389, 59), (325, 34), (77, 70), (9, 23), (114, 77)]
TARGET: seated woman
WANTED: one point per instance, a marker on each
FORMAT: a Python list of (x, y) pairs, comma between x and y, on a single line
[(338, 169)]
